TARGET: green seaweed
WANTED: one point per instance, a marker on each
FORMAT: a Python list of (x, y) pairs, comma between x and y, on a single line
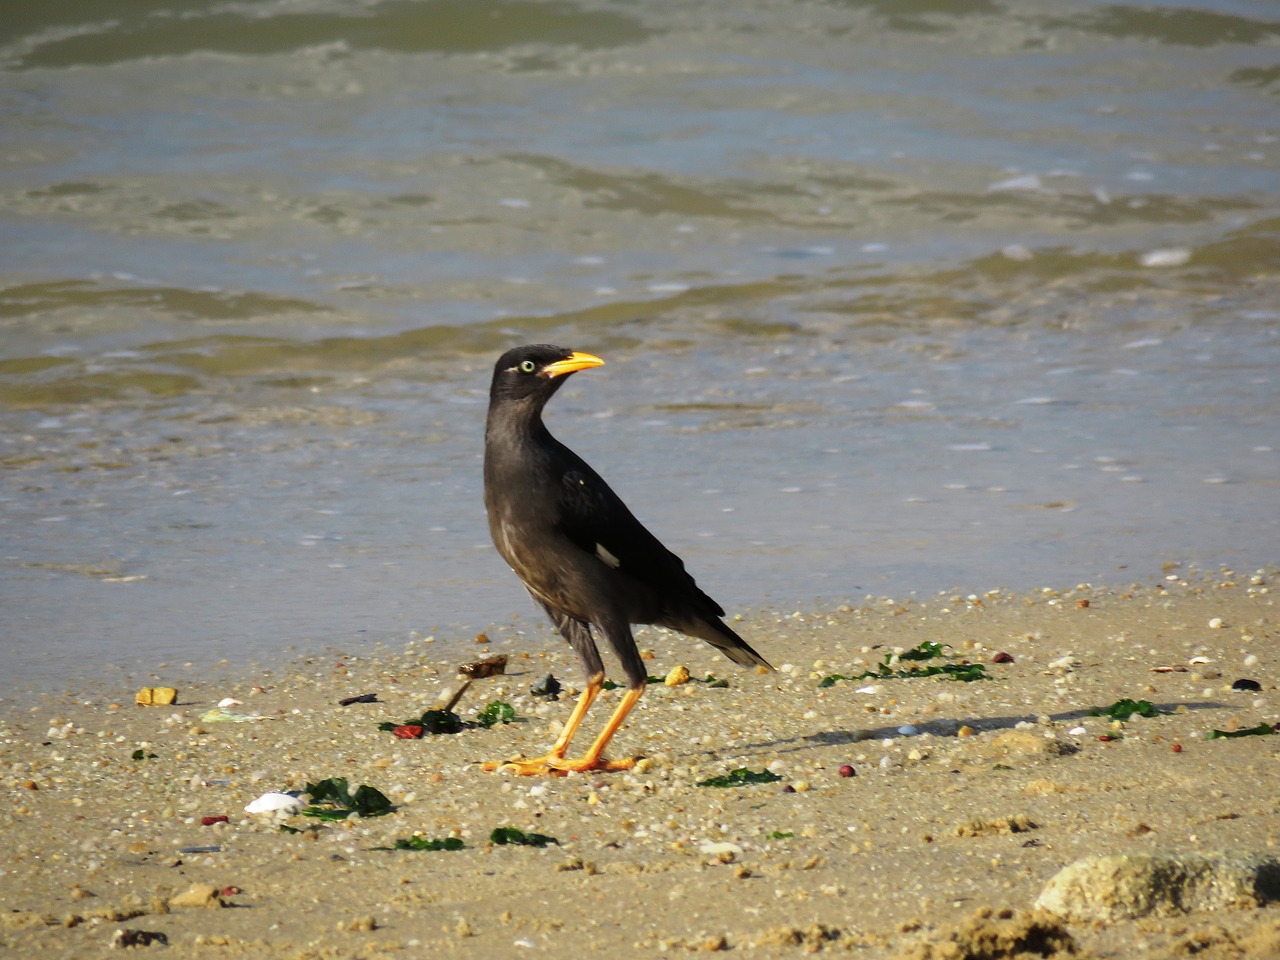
[(739, 778), (514, 836), (1261, 730), (332, 799), (928, 650), (496, 712), (441, 721), (1124, 709), (422, 843)]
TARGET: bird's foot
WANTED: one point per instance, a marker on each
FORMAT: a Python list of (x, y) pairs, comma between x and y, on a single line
[(557, 766)]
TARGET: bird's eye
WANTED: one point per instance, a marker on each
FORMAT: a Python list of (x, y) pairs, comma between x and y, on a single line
[(528, 366)]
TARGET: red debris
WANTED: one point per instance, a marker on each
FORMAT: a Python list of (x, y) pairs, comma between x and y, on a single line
[(1002, 657), (210, 821), (408, 731), (846, 770)]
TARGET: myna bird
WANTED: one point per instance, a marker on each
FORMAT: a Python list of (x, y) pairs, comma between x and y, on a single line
[(581, 553)]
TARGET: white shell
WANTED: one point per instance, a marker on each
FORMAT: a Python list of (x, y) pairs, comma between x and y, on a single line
[(271, 802)]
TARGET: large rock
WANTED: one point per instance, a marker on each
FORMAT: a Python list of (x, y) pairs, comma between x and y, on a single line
[(1124, 886)]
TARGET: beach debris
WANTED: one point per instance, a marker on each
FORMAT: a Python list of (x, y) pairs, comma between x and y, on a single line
[(274, 803), (1244, 683), (846, 770), (156, 697), (964, 671), (223, 715), (126, 937), (721, 849), (503, 836), (548, 688), (210, 821), (418, 842), (1126, 708), (488, 667), (908, 730), (678, 676), (142, 754), (362, 698), (332, 799), (991, 934), (1126, 886), (1176, 669), (740, 777), (1002, 657), (211, 848), (442, 720), (1261, 730)]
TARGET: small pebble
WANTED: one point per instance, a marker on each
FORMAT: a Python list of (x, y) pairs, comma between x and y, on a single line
[(1002, 657), (908, 730), (846, 770), (1244, 683)]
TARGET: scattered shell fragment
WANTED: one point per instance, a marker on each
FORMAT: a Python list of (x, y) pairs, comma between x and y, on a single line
[(274, 802), (155, 696)]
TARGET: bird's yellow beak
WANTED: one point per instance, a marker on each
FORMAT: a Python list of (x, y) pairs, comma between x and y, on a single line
[(576, 361)]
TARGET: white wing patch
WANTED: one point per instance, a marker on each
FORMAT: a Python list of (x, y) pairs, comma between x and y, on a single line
[(607, 557)]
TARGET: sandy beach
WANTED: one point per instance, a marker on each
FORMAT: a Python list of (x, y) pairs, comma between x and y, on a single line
[(910, 816)]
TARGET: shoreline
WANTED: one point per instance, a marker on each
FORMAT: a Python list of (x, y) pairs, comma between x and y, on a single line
[(903, 805)]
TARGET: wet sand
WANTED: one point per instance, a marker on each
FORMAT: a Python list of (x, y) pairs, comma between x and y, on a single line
[(955, 797)]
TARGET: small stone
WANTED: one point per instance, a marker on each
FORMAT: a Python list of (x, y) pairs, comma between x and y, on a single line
[(1244, 683), (197, 895), (156, 697), (1002, 657), (846, 770), (678, 675)]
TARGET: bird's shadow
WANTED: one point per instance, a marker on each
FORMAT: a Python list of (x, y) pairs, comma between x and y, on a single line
[(941, 727)]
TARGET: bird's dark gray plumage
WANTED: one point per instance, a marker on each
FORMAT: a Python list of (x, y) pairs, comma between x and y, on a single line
[(580, 552)]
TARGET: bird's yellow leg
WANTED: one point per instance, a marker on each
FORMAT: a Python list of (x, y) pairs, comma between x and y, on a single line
[(592, 760), (561, 746), (555, 763)]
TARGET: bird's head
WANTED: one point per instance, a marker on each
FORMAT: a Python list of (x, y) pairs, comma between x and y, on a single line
[(536, 371)]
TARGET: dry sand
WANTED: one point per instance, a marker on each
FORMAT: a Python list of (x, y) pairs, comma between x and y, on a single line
[(1005, 782)]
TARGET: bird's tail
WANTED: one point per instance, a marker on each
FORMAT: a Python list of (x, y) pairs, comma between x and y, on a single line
[(719, 635)]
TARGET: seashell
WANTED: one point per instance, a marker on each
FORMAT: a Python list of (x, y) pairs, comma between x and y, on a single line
[(273, 802)]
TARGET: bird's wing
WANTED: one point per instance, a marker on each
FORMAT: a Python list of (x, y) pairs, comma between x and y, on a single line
[(599, 523)]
